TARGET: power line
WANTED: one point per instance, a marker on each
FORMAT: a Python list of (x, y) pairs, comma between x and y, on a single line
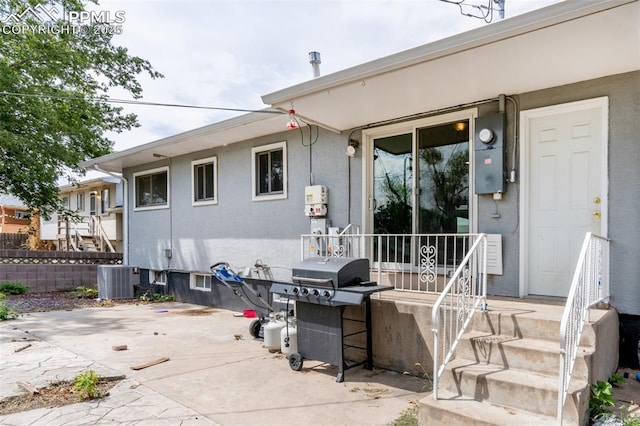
[(134, 102)]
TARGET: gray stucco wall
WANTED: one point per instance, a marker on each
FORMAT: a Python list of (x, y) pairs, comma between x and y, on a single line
[(239, 230)]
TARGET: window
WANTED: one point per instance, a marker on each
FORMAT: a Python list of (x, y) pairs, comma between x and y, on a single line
[(269, 171), (92, 203), (151, 189), (22, 215), (104, 200), (200, 282), (203, 179), (80, 202), (158, 277)]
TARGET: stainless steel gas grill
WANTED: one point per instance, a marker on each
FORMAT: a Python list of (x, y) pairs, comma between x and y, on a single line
[(333, 311)]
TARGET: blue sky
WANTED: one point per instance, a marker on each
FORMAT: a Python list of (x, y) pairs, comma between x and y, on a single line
[(227, 53)]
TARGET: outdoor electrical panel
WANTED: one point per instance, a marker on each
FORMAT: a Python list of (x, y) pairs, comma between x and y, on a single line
[(488, 143), (316, 198)]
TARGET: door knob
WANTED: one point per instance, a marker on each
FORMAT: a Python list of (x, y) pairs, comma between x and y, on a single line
[(597, 214), (596, 200)]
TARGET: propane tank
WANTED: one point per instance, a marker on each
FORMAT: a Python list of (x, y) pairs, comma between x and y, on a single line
[(289, 338), (272, 333)]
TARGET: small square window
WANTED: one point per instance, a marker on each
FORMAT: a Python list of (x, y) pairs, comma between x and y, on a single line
[(269, 171), (200, 282), (158, 277), (204, 178), (151, 189)]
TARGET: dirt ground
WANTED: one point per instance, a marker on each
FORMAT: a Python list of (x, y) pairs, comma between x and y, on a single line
[(57, 301)]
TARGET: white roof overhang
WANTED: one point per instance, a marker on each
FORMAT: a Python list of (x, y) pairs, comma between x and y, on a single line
[(222, 133), (571, 41)]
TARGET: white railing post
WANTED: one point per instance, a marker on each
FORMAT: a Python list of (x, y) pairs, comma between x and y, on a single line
[(586, 290)]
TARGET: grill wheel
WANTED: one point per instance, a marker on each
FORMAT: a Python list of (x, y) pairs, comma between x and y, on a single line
[(295, 361)]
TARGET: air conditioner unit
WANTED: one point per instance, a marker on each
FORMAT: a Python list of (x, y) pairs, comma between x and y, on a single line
[(117, 281)]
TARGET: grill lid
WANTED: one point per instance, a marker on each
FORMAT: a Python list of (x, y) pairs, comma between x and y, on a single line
[(333, 272)]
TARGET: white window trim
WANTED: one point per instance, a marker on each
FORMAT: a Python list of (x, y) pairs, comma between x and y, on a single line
[(80, 196), (104, 212), (192, 282), (154, 274), (194, 163), (258, 149), (135, 189)]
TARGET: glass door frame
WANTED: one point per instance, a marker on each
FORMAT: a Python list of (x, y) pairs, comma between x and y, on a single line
[(368, 137)]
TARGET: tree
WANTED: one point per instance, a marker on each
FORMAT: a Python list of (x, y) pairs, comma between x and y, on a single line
[(53, 91)]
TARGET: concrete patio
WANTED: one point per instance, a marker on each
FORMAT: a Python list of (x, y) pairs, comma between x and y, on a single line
[(217, 373)]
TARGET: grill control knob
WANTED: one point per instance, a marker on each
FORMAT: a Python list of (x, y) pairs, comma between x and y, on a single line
[(326, 293), (305, 291), (296, 290), (316, 292)]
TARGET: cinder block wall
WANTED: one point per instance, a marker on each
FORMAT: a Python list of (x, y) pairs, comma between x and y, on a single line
[(48, 278), (47, 271)]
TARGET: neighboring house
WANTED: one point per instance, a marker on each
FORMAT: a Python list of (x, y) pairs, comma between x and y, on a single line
[(97, 225), (14, 215), (526, 129)]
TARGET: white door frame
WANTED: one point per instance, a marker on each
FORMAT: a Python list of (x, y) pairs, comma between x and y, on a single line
[(525, 117), (368, 136)]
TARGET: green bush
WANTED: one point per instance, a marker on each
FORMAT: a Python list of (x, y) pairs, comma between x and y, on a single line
[(86, 384), (86, 292), (13, 287), (6, 313)]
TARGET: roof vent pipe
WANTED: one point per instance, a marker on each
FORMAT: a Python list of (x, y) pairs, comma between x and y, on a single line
[(314, 60)]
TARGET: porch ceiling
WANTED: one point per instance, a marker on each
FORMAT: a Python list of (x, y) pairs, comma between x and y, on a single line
[(568, 42)]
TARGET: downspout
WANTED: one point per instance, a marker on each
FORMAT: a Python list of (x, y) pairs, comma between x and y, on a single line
[(125, 215)]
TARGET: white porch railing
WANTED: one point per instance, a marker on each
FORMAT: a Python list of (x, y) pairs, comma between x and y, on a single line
[(98, 232), (71, 233), (464, 294), (409, 262), (589, 286)]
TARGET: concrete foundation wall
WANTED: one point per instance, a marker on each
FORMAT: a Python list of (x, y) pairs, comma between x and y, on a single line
[(402, 336)]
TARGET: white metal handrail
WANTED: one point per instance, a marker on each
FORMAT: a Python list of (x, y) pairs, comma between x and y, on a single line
[(589, 286), (465, 292)]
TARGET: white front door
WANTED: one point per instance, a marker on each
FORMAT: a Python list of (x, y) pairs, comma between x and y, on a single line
[(564, 190)]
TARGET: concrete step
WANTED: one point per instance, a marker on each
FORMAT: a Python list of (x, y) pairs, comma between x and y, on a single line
[(451, 409), (535, 355), (520, 322), (523, 390)]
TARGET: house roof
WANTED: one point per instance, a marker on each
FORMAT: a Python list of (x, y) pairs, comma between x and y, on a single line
[(8, 200), (222, 133), (89, 183), (570, 41)]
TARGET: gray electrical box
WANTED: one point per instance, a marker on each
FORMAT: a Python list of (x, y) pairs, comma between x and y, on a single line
[(488, 144)]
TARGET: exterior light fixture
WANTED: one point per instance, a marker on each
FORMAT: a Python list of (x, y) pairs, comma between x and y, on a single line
[(460, 126)]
